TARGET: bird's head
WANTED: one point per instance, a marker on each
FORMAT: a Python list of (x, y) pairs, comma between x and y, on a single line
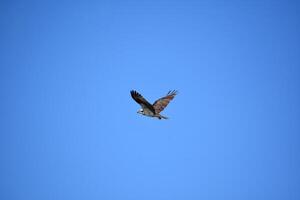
[(140, 111)]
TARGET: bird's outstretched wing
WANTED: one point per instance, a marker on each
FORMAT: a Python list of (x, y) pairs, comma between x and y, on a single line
[(142, 101), (160, 104)]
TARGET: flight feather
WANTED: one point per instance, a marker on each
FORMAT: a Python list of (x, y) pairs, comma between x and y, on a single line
[(160, 104)]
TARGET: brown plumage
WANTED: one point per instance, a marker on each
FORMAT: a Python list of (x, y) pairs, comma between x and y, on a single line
[(141, 100), (153, 110), (160, 104)]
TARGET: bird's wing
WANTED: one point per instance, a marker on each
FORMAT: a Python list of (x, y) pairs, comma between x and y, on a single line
[(142, 101), (160, 104)]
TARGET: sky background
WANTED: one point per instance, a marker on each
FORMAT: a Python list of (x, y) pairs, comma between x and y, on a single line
[(69, 128)]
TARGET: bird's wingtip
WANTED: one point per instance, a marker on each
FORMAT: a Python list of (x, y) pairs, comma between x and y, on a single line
[(173, 92)]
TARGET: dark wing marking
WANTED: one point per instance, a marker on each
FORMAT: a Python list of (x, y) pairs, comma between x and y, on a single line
[(142, 101), (160, 104)]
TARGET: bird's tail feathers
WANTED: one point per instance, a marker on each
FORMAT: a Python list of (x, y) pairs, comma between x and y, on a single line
[(163, 117)]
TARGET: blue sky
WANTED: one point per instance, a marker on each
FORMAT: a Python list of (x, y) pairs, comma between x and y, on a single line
[(69, 128)]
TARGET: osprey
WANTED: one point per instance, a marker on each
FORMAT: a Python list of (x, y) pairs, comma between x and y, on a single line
[(153, 110)]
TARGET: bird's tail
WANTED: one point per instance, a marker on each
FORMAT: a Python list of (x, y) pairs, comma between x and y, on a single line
[(162, 117)]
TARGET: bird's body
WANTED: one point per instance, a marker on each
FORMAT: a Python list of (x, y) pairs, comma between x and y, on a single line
[(148, 113), (153, 110)]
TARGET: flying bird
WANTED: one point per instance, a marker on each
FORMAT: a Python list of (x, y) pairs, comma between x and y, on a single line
[(153, 110)]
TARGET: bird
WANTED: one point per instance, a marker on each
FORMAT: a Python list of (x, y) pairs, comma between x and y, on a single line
[(153, 110)]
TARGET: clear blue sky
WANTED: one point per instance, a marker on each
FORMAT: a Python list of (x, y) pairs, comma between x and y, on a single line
[(69, 128)]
